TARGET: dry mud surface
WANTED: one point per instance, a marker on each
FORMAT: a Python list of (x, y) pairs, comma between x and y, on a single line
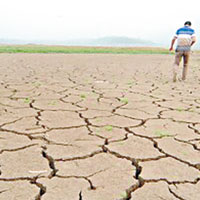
[(98, 127)]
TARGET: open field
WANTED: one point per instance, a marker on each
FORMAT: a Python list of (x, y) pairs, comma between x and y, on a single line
[(80, 50), (98, 127)]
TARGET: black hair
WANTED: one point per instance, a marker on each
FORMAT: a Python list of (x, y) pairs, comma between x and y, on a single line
[(188, 23)]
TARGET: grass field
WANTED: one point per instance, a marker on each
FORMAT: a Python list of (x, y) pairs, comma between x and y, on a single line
[(80, 50)]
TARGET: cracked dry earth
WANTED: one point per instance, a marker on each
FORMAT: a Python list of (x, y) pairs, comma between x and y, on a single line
[(98, 127)]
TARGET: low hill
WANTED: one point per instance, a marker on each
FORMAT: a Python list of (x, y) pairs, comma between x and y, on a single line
[(103, 41), (121, 41)]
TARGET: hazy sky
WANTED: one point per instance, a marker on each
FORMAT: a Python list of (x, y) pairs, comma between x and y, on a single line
[(154, 20)]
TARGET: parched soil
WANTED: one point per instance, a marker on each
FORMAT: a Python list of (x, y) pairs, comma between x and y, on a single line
[(98, 127)]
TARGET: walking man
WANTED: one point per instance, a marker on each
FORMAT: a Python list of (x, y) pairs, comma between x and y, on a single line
[(185, 39)]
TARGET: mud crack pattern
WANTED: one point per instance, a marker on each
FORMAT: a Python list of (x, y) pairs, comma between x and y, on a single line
[(98, 127)]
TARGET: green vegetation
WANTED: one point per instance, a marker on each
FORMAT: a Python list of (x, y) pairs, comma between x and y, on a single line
[(162, 133), (37, 84), (191, 110), (80, 50), (52, 103), (124, 195), (98, 120), (124, 100), (27, 100), (108, 128), (130, 83), (83, 96), (179, 109)]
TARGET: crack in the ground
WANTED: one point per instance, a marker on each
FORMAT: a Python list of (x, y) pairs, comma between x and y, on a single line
[(138, 171), (41, 187), (32, 180), (17, 149), (51, 161), (64, 92), (194, 182), (194, 129), (79, 157), (155, 144), (87, 178), (2, 191), (175, 195), (189, 143)]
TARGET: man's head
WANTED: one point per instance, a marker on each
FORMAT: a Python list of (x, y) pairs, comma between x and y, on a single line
[(188, 23)]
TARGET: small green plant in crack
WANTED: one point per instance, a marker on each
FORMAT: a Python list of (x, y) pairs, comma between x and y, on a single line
[(86, 81), (108, 128), (120, 143), (191, 110), (179, 109), (27, 100), (83, 96), (130, 83), (162, 133), (98, 130), (52, 103), (98, 120), (124, 100), (94, 92), (98, 133), (37, 84), (124, 195)]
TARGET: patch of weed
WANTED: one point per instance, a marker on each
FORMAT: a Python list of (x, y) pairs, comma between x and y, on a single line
[(108, 128), (52, 103), (123, 195), (124, 100), (179, 109), (27, 100), (162, 133), (83, 96)]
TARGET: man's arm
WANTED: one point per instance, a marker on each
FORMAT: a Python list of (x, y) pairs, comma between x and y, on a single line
[(172, 43), (193, 40)]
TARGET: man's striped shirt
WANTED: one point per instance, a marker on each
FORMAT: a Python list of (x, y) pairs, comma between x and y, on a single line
[(184, 37)]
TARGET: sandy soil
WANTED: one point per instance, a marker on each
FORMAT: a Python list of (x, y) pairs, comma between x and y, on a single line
[(98, 127)]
